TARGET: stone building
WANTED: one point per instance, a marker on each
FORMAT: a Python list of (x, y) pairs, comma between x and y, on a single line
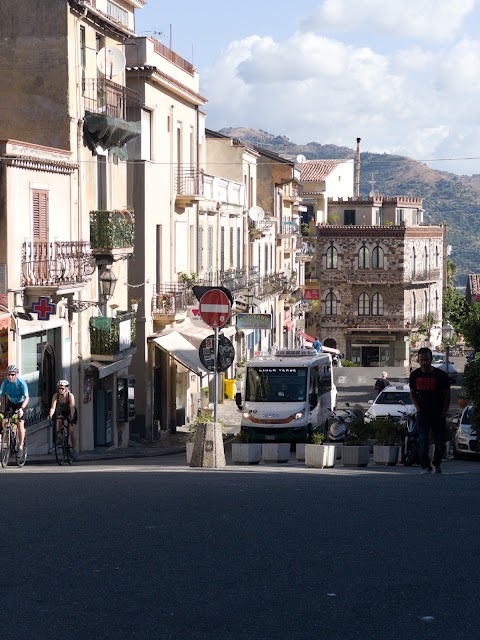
[(381, 272)]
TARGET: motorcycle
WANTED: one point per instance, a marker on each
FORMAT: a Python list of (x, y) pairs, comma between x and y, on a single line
[(409, 449), (338, 431)]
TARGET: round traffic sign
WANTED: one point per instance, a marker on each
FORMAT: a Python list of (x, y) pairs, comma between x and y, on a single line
[(215, 308), (225, 356)]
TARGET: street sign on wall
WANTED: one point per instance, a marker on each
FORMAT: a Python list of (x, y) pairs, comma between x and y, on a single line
[(254, 321), (215, 308), (311, 294)]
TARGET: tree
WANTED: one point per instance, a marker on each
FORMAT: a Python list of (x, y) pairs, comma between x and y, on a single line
[(471, 376)]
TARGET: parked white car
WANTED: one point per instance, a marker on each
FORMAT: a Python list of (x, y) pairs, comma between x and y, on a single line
[(452, 372), (389, 403), (464, 440)]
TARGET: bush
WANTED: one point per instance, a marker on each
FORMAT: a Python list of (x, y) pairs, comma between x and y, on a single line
[(385, 432), (348, 363), (359, 432)]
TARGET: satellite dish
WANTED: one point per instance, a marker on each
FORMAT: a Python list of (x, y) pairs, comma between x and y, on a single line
[(301, 159), (111, 61), (256, 213)]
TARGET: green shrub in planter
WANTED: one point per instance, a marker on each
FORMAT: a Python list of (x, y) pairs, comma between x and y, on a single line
[(385, 432), (359, 432)]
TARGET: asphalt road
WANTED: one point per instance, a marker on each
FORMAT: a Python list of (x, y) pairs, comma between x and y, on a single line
[(155, 550)]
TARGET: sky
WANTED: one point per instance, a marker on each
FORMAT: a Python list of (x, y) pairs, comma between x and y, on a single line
[(403, 75)]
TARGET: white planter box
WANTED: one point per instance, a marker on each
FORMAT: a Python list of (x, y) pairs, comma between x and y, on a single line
[(189, 452), (338, 449), (385, 454), (276, 451), (320, 456), (246, 453), (356, 456), (300, 451)]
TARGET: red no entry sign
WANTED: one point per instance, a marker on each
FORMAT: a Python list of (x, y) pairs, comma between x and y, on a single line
[(215, 308)]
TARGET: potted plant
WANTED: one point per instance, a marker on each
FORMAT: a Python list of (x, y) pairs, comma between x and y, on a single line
[(356, 450), (318, 454), (385, 432), (414, 339), (246, 452), (204, 393)]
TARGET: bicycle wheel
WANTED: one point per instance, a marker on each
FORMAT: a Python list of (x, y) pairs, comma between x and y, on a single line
[(23, 458), (60, 449), (68, 448), (5, 447)]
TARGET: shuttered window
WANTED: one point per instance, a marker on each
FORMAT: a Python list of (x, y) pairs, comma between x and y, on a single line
[(40, 215)]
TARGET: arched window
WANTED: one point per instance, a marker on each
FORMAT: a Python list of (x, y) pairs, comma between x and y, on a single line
[(377, 304), (436, 301), (364, 258), (330, 304), (363, 304), (413, 310), (425, 304), (413, 261), (377, 258), (437, 257), (332, 257), (425, 260)]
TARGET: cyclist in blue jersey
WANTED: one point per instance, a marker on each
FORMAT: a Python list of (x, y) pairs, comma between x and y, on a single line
[(16, 392)]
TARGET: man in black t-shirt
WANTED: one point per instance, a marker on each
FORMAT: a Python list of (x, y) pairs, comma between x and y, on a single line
[(430, 393)]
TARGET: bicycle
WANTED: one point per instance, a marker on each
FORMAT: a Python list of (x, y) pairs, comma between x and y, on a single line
[(63, 446), (8, 440)]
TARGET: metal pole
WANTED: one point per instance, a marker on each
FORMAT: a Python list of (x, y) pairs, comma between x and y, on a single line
[(215, 373), (448, 357)]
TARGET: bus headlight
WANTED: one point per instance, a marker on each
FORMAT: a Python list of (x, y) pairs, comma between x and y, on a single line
[(245, 414), (299, 415)]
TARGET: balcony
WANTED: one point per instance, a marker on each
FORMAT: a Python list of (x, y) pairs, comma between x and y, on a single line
[(258, 228), (189, 186), (112, 113), (287, 228), (272, 284), (113, 339), (307, 252), (112, 233), (433, 275), (169, 302), (56, 267), (363, 276), (233, 279)]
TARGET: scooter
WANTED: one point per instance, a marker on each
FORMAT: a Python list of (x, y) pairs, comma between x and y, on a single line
[(410, 453), (338, 431)]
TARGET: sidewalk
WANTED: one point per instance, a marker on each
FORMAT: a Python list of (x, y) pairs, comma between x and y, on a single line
[(169, 443)]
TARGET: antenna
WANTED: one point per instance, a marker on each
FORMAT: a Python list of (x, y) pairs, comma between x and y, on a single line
[(111, 61), (256, 213), (301, 159)]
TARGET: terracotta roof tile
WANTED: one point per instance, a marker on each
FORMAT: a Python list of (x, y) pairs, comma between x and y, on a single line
[(316, 170)]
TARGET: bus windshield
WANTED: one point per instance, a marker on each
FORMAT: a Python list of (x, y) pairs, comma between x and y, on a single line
[(276, 384)]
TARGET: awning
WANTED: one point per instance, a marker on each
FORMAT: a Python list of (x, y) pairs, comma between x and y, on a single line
[(182, 351), (289, 325), (105, 370), (193, 334), (307, 337)]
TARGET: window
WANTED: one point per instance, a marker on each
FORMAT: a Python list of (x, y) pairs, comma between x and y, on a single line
[(425, 304), (377, 216), (364, 258), (349, 216), (330, 304), (40, 215), (400, 215), (377, 304), (437, 257), (222, 249), (117, 13), (413, 310), (210, 247), (200, 247), (436, 301), (146, 135), (231, 247), (239, 248), (266, 259), (102, 181), (425, 260), (377, 258), (413, 262), (332, 257), (363, 304), (83, 48)]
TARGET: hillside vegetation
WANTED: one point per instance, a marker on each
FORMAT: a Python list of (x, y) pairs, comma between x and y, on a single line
[(447, 197)]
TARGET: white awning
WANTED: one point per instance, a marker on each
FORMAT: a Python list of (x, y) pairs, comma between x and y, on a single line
[(193, 334), (107, 368), (182, 351)]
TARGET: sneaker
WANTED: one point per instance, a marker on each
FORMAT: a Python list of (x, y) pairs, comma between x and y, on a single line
[(427, 470), (19, 453), (437, 469)]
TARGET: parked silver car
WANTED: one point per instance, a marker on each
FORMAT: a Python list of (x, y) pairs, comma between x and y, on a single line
[(465, 439)]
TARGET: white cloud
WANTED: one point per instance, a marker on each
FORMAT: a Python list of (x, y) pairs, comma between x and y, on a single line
[(433, 20)]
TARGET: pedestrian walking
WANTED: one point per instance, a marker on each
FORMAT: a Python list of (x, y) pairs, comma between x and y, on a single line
[(430, 393), (381, 383), (317, 345)]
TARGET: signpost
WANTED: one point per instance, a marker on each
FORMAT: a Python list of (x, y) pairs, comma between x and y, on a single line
[(215, 308)]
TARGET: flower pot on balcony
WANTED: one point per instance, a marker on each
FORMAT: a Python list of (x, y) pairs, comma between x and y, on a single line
[(320, 456)]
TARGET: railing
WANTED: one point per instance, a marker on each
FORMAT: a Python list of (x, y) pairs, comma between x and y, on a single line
[(112, 229), (169, 299), (170, 55), (421, 276), (271, 284), (112, 336), (260, 226), (188, 181), (288, 228), (56, 263), (232, 279), (108, 98)]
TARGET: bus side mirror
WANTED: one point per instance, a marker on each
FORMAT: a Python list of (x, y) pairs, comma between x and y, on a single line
[(238, 399)]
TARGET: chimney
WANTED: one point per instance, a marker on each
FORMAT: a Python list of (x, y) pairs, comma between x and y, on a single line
[(357, 171)]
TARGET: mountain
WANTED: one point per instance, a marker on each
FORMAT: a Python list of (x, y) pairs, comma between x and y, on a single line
[(447, 197)]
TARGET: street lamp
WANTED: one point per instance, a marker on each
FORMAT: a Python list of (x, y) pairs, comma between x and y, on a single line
[(447, 335), (250, 297), (107, 283)]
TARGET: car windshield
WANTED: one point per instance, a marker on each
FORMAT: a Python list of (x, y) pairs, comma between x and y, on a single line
[(276, 384), (467, 416), (393, 397)]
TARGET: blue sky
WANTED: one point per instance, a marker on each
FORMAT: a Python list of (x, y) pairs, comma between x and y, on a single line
[(401, 74)]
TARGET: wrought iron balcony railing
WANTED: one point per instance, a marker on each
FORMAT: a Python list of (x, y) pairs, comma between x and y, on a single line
[(169, 299), (112, 229), (288, 228), (188, 181), (233, 279), (56, 263), (112, 336), (105, 97)]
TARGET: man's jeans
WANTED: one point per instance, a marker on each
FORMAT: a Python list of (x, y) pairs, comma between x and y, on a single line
[(427, 421)]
